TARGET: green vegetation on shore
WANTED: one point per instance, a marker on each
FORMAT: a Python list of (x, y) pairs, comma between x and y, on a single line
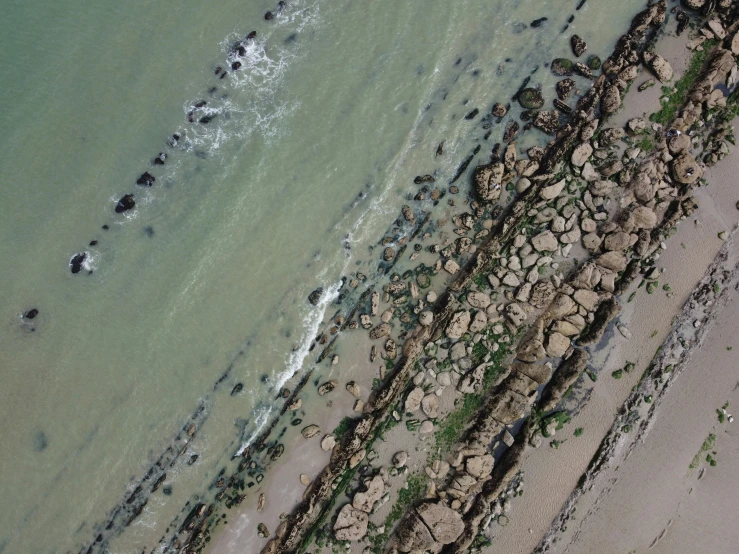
[(677, 95), (705, 447)]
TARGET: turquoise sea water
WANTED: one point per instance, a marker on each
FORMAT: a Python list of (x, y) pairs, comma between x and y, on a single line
[(312, 150)]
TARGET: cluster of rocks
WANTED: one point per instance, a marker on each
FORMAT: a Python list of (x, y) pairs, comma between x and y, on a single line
[(563, 212)]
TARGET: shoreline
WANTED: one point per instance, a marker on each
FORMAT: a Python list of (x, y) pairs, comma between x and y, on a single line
[(459, 284)]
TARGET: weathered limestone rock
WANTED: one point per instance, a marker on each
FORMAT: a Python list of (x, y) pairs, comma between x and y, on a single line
[(552, 191), (430, 405), (479, 466), (557, 345), (328, 442), (479, 300), (444, 523), (685, 169), (488, 181), (365, 501), (615, 261), (541, 294), (458, 325), (541, 373), (380, 331), (611, 100), (601, 188), (310, 431), (545, 242), (659, 66), (581, 154), (644, 218), (588, 299), (351, 524), (413, 400), (561, 306), (515, 314)]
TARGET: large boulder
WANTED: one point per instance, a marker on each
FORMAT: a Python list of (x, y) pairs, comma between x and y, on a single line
[(125, 203), (488, 181), (685, 169), (365, 501), (659, 66), (458, 325), (351, 524), (581, 154), (545, 242), (611, 100)]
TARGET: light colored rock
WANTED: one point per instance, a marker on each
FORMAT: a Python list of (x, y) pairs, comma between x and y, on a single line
[(545, 242), (659, 66), (458, 325), (365, 500), (588, 299), (611, 100), (356, 458), (426, 427), (413, 400), (451, 267), (581, 154), (353, 389), (615, 261), (479, 466), (351, 524), (310, 431), (515, 314), (430, 405), (601, 188), (400, 459), (510, 279), (561, 306), (552, 191), (444, 523), (592, 242), (589, 173), (479, 300), (426, 318), (479, 322), (644, 218), (328, 442), (557, 345)]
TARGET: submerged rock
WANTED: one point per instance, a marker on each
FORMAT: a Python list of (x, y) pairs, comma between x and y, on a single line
[(562, 66), (531, 98), (77, 262), (315, 296)]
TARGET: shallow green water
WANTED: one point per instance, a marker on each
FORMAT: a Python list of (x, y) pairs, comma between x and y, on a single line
[(313, 149)]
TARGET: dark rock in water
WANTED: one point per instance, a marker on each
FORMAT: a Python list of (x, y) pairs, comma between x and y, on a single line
[(561, 106), (440, 149), (173, 140), (251, 36), (510, 131), (236, 66), (167, 491), (538, 22), (268, 16), (125, 203), (76, 262), (192, 460), (527, 115), (564, 88), (472, 114), (419, 180), (578, 45), (238, 387), (212, 90), (93, 243), (315, 297), (146, 179), (40, 442), (580, 5), (518, 27), (594, 63), (218, 70), (200, 104), (149, 231), (207, 119), (531, 98), (30, 314), (562, 66), (159, 160), (106, 227), (224, 74), (547, 121), (499, 110)]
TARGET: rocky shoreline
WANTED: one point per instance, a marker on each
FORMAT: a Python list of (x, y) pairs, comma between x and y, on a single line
[(657, 195)]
